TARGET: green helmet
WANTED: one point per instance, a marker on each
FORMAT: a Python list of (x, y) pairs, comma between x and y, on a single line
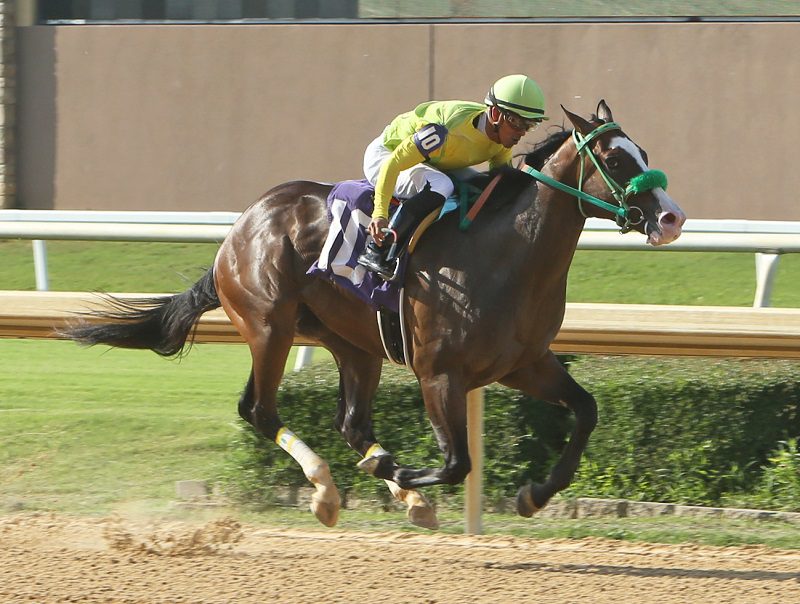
[(518, 93)]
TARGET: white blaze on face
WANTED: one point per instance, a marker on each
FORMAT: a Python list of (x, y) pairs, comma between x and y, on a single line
[(671, 217)]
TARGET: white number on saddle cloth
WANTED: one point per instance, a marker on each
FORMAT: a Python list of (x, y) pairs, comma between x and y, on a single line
[(429, 138)]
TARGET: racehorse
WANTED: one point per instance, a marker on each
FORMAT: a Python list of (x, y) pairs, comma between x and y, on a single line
[(480, 306)]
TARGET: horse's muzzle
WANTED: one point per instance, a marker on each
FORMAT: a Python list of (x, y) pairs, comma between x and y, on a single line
[(668, 228)]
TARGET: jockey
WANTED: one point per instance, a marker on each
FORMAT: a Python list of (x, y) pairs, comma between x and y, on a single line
[(408, 159)]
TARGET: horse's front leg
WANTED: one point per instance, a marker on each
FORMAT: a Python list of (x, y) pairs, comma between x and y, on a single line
[(359, 375), (548, 380)]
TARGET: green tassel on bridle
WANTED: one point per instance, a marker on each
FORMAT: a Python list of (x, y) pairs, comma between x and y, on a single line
[(646, 181)]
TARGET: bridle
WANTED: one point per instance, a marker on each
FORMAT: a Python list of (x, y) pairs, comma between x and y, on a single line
[(623, 212)]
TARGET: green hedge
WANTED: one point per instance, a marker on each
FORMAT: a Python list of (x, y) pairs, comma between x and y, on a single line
[(680, 430), (697, 431)]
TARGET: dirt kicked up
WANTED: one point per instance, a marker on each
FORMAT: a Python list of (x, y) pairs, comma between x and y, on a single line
[(47, 558)]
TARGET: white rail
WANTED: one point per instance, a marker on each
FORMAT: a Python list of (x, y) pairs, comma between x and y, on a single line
[(768, 240)]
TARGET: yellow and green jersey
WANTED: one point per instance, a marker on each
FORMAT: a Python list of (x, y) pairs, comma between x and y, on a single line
[(440, 133)]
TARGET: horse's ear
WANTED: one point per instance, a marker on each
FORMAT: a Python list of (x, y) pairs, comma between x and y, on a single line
[(604, 111), (581, 125)]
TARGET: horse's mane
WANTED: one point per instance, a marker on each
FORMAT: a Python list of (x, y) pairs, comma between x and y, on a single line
[(544, 149), (514, 181)]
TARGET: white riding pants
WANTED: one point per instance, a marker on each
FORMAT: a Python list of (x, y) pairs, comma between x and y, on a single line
[(410, 181)]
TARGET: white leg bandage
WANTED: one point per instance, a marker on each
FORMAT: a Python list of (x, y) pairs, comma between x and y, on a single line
[(302, 454), (325, 501)]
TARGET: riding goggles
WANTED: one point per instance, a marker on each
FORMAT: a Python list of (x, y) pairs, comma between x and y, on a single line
[(519, 123)]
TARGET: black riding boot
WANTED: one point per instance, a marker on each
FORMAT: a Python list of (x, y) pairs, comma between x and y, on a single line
[(373, 259), (382, 259)]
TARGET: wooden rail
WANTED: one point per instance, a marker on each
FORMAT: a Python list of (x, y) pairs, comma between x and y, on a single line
[(34, 314), (588, 328)]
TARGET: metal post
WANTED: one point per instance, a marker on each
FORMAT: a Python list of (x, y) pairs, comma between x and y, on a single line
[(473, 487), (40, 264), (766, 268)]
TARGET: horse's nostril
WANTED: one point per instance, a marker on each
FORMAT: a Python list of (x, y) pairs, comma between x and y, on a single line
[(667, 219)]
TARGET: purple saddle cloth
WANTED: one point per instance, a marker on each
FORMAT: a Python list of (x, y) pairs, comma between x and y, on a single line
[(350, 211)]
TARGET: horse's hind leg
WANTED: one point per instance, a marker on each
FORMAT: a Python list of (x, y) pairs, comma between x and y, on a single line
[(359, 374), (548, 380), (270, 336), (246, 401), (446, 403)]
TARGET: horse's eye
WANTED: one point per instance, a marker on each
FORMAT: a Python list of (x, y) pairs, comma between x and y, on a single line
[(612, 163)]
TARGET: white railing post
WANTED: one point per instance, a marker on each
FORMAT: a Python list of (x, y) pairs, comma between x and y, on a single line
[(766, 268), (40, 265), (473, 487), (304, 355)]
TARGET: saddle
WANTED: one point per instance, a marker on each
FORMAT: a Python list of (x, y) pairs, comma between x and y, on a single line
[(350, 205)]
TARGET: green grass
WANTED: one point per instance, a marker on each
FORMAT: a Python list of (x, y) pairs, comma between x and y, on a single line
[(703, 278), (107, 266), (85, 428)]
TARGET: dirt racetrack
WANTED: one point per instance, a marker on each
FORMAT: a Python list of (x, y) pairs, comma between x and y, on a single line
[(46, 558)]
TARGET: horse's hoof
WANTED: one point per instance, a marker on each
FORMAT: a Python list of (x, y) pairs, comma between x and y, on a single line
[(526, 505), (373, 465), (423, 516), (326, 506), (327, 513)]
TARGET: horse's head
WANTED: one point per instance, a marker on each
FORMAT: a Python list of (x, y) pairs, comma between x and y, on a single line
[(614, 169)]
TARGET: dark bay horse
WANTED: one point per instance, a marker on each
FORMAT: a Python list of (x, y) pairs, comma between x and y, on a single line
[(480, 307)]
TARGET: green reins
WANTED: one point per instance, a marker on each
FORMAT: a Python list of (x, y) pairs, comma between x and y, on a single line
[(646, 181)]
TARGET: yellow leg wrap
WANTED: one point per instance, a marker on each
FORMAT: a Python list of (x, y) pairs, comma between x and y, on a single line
[(375, 451)]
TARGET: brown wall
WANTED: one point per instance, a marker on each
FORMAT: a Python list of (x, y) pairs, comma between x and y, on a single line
[(208, 117)]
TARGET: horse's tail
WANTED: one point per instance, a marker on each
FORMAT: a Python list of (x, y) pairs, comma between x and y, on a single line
[(161, 324)]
